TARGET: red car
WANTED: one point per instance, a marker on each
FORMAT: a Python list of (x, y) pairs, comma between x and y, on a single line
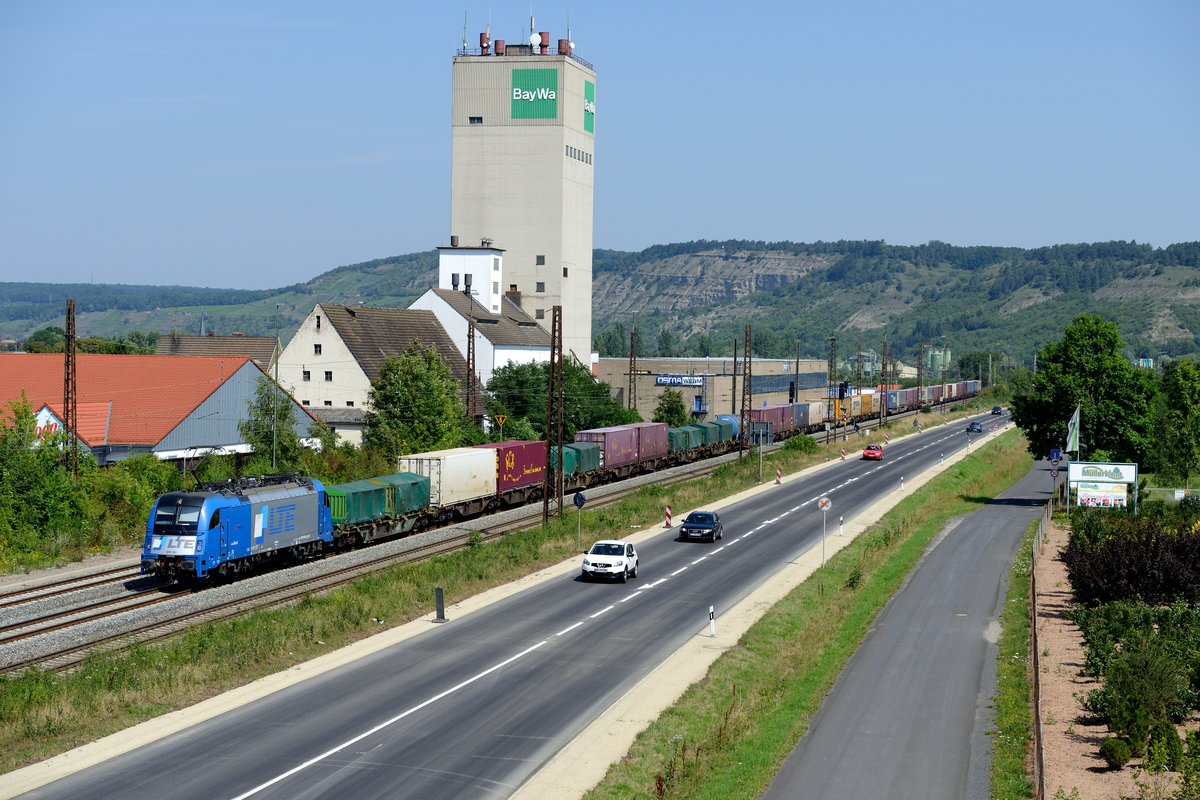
[(874, 451)]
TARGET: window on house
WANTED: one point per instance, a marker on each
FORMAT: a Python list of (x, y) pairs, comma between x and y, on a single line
[(306, 375), (539, 314), (328, 375), (318, 322), (541, 261), (328, 402), (495, 287), (564, 272), (304, 402), (541, 286), (349, 404), (495, 265), (475, 120), (316, 349)]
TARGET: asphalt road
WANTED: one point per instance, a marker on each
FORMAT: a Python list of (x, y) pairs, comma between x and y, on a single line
[(909, 716), (473, 707)]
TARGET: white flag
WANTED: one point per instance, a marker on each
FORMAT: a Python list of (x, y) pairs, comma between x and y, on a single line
[(1073, 433)]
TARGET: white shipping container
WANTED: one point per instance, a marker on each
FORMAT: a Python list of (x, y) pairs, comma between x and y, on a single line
[(455, 476)]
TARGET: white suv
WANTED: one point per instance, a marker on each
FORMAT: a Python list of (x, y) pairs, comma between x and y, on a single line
[(611, 558)]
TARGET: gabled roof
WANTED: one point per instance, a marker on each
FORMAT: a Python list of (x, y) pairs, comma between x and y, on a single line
[(91, 420), (259, 348), (374, 334), (150, 395), (512, 327)]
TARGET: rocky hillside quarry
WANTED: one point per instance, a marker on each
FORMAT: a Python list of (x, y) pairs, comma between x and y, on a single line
[(694, 298)]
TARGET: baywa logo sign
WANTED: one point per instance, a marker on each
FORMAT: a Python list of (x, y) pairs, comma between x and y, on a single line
[(589, 107), (535, 94)]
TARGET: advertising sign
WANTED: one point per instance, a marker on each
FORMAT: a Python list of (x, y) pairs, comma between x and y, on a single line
[(1101, 495), (589, 107), (679, 380), (1095, 472), (45, 423), (535, 94)]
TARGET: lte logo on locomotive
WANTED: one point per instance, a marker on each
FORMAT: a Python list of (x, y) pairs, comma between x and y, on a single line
[(281, 519)]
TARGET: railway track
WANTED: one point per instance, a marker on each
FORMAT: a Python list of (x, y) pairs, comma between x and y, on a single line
[(69, 657)]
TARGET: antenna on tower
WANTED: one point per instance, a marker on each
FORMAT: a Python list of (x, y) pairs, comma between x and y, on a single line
[(464, 31), (570, 42)]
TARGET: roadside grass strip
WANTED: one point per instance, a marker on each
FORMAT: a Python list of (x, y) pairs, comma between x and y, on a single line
[(728, 734), (44, 714), (1012, 740)]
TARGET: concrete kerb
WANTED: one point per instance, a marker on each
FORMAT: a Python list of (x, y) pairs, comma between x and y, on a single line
[(576, 768), (584, 761)]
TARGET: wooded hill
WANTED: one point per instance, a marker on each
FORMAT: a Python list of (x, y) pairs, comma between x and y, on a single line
[(694, 298)]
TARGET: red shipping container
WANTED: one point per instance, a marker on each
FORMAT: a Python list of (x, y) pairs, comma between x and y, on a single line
[(786, 420), (618, 444), (518, 463), (652, 439), (771, 414)]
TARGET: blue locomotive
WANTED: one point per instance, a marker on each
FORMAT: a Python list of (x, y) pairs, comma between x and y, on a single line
[(233, 526)]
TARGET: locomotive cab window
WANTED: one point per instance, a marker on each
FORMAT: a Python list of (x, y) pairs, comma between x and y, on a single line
[(215, 521), (177, 514)]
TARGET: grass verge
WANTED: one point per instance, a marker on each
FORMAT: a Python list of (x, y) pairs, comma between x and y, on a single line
[(727, 735), (44, 714), (1013, 736)]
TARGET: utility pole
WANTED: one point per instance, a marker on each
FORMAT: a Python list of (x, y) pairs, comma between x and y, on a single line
[(885, 386), (733, 395), (744, 438), (470, 387), (70, 396), (920, 373), (275, 393), (831, 370), (554, 413), (989, 383), (858, 367), (631, 400)]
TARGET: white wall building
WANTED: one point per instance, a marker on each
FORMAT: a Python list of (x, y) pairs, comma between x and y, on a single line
[(522, 159)]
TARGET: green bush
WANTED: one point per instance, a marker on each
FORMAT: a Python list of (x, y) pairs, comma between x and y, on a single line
[(1115, 752), (801, 444), (1165, 739)]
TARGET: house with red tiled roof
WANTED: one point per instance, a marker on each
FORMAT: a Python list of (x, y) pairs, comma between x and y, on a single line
[(172, 406)]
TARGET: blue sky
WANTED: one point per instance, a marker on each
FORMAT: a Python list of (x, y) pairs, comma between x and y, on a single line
[(253, 145)]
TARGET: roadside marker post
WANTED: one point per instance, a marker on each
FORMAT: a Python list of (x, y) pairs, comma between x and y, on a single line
[(843, 454), (667, 522), (824, 504), (778, 475), (712, 624)]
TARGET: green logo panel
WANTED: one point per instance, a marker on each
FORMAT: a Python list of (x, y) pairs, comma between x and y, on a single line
[(535, 94), (589, 107)]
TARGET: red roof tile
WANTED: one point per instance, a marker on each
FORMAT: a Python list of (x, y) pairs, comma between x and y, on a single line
[(150, 395)]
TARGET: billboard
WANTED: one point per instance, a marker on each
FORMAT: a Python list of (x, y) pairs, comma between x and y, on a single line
[(535, 94), (679, 380), (1095, 472), (1101, 495), (589, 107)]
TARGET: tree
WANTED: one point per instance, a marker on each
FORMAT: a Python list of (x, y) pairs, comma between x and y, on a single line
[(1086, 369), (270, 427), (46, 340), (415, 405), (519, 390), (670, 409), (1178, 421), (613, 342)]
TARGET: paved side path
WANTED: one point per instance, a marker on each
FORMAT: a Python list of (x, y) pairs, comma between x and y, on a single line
[(910, 714)]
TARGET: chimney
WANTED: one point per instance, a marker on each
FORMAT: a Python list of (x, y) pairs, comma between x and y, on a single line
[(513, 295), (499, 47), (467, 284), (544, 47), (483, 44), (564, 47), (454, 240), (454, 281)]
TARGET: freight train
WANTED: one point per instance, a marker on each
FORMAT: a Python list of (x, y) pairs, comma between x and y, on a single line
[(228, 528)]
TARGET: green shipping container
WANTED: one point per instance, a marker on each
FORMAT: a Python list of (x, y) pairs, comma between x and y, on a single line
[(709, 433), (587, 456), (406, 492), (359, 501), (726, 429), (570, 460), (676, 440)]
